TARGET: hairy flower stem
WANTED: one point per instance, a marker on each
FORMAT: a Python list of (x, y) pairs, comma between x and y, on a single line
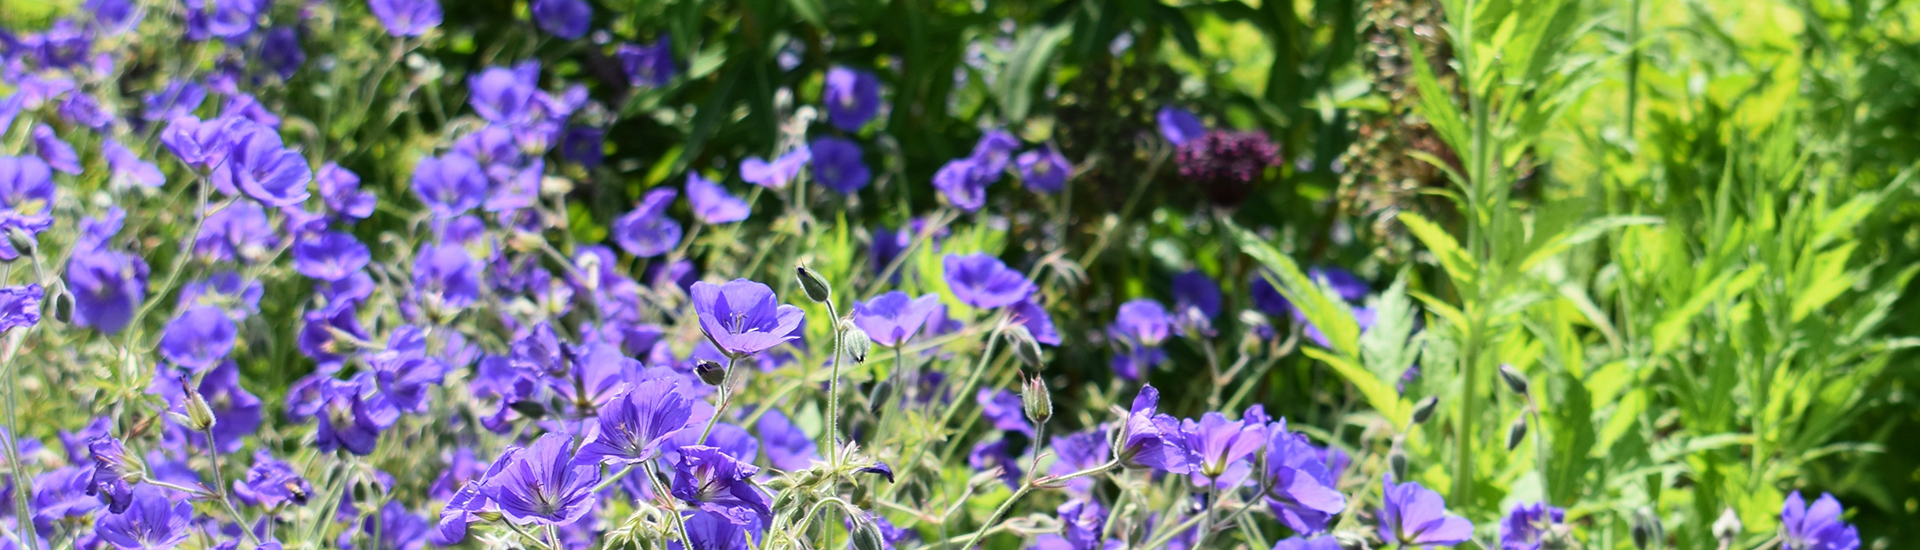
[(220, 488), (726, 398), (679, 523), (615, 478), (833, 392), (973, 380), (22, 508), (1028, 487)]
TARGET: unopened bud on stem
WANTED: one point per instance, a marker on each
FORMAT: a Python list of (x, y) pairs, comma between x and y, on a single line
[(1646, 529), (1517, 432), (816, 287), (1423, 410), (1036, 400), (1515, 381), (857, 343), (710, 372), (1025, 347)]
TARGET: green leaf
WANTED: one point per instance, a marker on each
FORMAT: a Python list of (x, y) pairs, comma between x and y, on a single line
[(1453, 259), (811, 11), (1319, 303), (1435, 102), (1031, 55), (1384, 348), (1586, 233), (1379, 395), (1673, 325)]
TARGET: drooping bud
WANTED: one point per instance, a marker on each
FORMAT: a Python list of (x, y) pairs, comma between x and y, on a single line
[(1423, 410), (816, 287), (1515, 381), (865, 533), (1727, 528), (1349, 540), (1517, 432), (857, 342), (877, 398), (529, 409), (21, 241), (1646, 529), (63, 307), (1034, 397), (1025, 347), (1397, 459), (710, 372)]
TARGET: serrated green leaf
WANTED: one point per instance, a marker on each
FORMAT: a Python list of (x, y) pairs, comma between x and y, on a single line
[(1453, 259)]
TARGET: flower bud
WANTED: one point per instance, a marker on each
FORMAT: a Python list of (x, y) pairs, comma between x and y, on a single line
[(199, 416), (529, 409), (1515, 381), (1038, 404), (1423, 410), (589, 268), (856, 341), (1727, 528), (1349, 540), (1397, 459), (63, 307), (866, 533), (1646, 529), (816, 287), (877, 397), (1025, 347), (21, 241), (1517, 432), (710, 372)]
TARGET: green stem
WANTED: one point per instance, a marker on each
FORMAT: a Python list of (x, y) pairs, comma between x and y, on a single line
[(220, 487), (833, 391), (22, 507), (726, 398)]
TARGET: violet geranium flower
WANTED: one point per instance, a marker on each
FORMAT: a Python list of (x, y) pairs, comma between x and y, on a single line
[(852, 97), (154, 521), (1416, 516), (1178, 125), (563, 18), (542, 484), (1044, 169), (892, 318), (638, 422), (1152, 440), (777, 174), (648, 66), (838, 166), (712, 204), (330, 256), (198, 338), (1137, 332), (647, 231), (271, 483), (1816, 527), (1214, 444), (20, 306), (1302, 495), (720, 484), (743, 318), (114, 471), (406, 17), (1530, 526), (982, 281)]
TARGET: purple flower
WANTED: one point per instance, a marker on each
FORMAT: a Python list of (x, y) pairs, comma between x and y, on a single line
[(779, 173), (340, 189), (892, 318), (584, 145), (1044, 169), (1137, 332), (1226, 165), (542, 484), (1038, 323), (351, 418), (1080, 451), (259, 165), (1214, 443), (638, 422), (993, 151), (84, 110), (61, 495), (994, 454), (154, 521), (280, 51), (505, 95), (201, 144), (964, 183), (743, 318), (394, 528), (239, 232), (1817, 527), (129, 168), (1003, 409), (198, 338), (112, 472), (1415, 515), (445, 276), (982, 281), (114, 17), (106, 286), (1530, 526), (788, 447), (1316, 543), (330, 256), (852, 97), (1178, 125), (1303, 494), (648, 231), (404, 372), (563, 18), (1153, 440), (708, 531), (720, 484), (406, 17), (1195, 290), (58, 154), (178, 99), (1085, 524), (837, 165), (450, 184), (233, 19), (712, 204), (648, 66), (271, 483), (20, 306)]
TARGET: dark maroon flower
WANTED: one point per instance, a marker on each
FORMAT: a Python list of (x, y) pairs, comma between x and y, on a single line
[(1226, 165)]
